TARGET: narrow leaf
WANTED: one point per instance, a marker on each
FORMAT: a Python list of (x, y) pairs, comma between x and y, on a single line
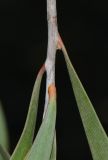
[(3, 129), (42, 146), (53, 152), (4, 141), (95, 133), (26, 139), (4, 155)]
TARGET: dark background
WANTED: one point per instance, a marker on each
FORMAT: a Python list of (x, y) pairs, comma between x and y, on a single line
[(83, 26)]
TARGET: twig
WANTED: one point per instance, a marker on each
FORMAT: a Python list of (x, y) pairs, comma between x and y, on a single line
[(52, 46), (51, 55), (54, 43)]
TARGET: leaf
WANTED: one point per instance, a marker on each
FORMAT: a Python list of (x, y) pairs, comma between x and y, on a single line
[(95, 133), (26, 139), (3, 129), (53, 152), (4, 142), (42, 146), (4, 155)]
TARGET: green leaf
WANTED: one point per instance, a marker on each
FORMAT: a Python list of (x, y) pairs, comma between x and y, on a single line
[(95, 133), (3, 129), (26, 139), (53, 152), (42, 146), (4, 155), (4, 141)]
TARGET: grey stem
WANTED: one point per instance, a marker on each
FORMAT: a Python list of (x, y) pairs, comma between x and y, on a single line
[(52, 46)]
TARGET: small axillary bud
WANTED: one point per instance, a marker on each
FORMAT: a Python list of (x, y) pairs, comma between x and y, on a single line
[(52, 91), (59, 44)]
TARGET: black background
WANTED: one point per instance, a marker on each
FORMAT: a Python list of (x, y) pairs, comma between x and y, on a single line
[(83, 26)]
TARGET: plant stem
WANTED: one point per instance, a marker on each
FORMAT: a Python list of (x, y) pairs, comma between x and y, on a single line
[(51, 55), (52, 46)]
